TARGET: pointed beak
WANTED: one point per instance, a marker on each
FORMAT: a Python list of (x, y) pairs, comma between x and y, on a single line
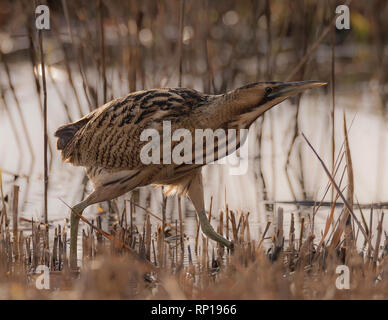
[(287, 89)]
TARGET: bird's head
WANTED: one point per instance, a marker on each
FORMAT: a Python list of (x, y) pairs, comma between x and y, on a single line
[(256, 98)]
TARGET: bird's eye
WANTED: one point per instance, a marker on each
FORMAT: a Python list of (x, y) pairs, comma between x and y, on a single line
[(268, 90)]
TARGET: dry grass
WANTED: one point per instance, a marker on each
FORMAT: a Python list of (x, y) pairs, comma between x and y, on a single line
[(124, 264)]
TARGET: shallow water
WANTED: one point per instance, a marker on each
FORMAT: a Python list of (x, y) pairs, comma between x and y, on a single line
[(368, 136)]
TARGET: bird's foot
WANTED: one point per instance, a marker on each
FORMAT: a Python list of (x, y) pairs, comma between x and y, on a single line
[(208, 230)]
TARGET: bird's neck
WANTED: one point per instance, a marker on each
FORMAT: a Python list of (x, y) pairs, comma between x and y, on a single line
[(238, 109)]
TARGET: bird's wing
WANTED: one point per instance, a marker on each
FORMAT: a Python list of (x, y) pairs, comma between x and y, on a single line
[(109, 137)]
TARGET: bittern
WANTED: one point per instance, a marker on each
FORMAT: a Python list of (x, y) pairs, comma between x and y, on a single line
[(107, 141)]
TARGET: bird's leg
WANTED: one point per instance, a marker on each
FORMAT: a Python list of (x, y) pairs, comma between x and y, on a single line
[(74, 221), (195, 193)]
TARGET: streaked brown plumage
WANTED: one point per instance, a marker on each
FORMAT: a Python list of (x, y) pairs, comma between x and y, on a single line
[(107, 141)]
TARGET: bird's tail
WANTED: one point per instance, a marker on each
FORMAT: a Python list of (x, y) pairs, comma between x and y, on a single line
[(67, 132)]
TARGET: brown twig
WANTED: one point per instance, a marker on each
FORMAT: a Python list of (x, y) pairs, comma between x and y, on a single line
[(337, 188), (45, 135), (180, 48)]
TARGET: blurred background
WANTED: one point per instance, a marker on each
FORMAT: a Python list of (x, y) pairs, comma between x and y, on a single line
[(99, 50)]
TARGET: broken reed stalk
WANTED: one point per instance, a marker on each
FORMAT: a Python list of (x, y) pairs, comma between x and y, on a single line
[(110, 237), (207, 80), (260, 166), (154, 253), (370, 248), (45, 134), (227, 221), (3, 208), (329, 222), (102, 49), (197, 235), (241, 228), (279, 229), (221, 232), (345, 221), (34, 69), (234, 227), (181, 227), (164, 207), (15, 204), (289, 152), (332, 101), (209, 218), (378, 240), (264, 234), (301, 233), (337, 188), (176, 245), (180, 47), (363, 220), (148, 238), (291, 242), (260, 174), (350, 188), (268, 19)]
